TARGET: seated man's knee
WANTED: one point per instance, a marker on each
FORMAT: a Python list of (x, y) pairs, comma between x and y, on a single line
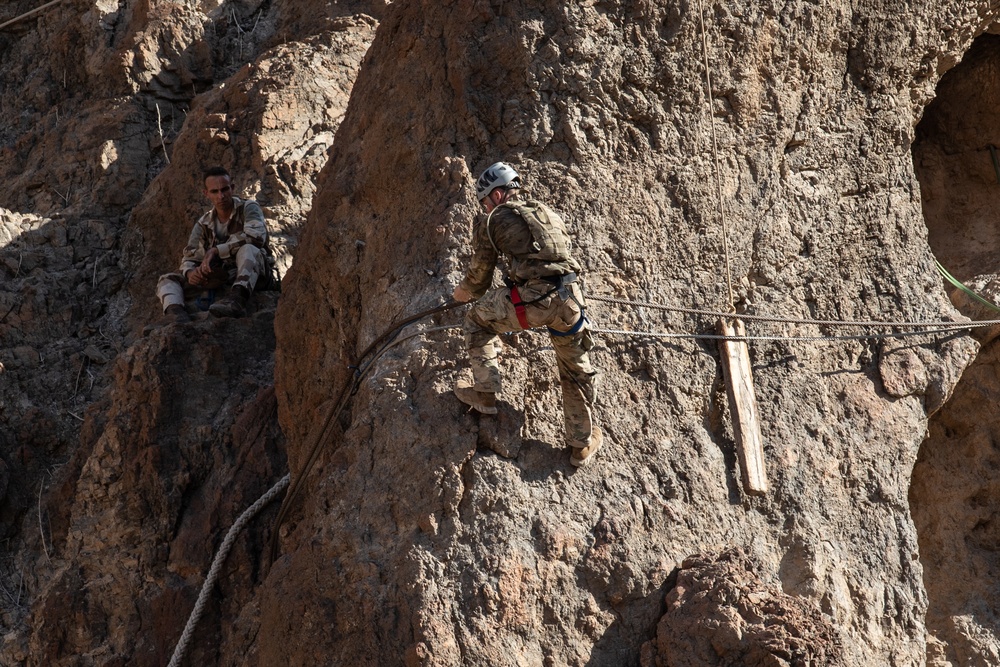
[(167, 278), (250, 253)]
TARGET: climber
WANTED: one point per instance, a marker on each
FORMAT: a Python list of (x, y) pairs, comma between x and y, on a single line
[(542, 290), (227, 246)]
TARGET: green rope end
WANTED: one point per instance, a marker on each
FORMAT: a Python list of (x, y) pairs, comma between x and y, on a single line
[(957, 283)]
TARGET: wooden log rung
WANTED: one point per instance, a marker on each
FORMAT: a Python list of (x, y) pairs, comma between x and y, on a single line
[(743, 406)]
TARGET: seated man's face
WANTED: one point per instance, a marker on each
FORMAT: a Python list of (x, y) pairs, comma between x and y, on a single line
[(219, 191)]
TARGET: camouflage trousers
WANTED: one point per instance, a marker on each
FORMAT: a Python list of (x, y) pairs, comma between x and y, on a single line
[(494, 314), (244, 269)]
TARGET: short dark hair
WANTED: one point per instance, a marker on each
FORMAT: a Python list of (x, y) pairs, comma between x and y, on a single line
[(214, 171)]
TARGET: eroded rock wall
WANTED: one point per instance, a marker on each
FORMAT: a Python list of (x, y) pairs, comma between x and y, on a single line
[(428, 535), (513, 557), (184, 443), (953, 496), (108, 113)]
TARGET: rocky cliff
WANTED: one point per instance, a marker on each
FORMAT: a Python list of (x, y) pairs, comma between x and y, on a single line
[(839, 150)]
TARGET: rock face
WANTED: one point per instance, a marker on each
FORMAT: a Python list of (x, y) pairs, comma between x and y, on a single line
[(107, 118), (180, 460), (426, 535), (495, 560), (953, 496), (721, 611)]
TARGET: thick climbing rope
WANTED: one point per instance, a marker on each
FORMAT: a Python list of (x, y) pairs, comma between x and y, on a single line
[(715, 157), (332, 414), (28, 14), (220, 559), (284, 482)]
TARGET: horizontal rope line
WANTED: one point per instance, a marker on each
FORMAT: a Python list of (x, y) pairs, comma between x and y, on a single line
[(791, 320), (655, 334)]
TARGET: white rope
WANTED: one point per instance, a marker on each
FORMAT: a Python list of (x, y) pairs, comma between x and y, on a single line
[(220, 559)]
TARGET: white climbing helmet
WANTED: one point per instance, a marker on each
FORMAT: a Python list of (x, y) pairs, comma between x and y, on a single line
[(496, 176)]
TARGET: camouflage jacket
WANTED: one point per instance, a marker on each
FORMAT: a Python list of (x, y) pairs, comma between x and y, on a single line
[(246, 225), (511, 236)]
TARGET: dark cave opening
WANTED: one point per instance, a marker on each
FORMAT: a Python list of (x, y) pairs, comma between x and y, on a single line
[(956, 141), (955, 488)]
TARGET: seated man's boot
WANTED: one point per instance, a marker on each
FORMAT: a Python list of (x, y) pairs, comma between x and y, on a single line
[(234, 305), (481, 401), (581, 456), (176, 314)]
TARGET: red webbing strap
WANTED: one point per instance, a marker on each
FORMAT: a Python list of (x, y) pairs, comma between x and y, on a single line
[(522, 317)]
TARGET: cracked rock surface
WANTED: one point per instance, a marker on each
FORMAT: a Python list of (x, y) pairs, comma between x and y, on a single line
[(848, 143)]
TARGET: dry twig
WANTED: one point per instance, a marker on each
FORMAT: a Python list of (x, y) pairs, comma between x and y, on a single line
[(41, 527), (163, 142), (27, 14)]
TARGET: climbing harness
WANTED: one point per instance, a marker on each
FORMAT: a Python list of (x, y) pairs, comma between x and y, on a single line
[(572, 331), (559, 287), (522, 316)]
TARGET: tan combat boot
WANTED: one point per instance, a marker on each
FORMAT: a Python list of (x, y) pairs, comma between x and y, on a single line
[(481, 401), (175, 314), (234, 305), (581, 456)]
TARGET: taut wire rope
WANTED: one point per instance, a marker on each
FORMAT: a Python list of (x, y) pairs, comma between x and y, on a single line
[(715, 157), (972, 324)]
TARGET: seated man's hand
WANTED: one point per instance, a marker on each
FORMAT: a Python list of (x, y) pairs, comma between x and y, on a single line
[(210, 255), (461, 295), (197, 276), (205, 274)]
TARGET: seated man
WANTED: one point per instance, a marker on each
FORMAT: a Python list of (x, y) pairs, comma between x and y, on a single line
[(226, 247)]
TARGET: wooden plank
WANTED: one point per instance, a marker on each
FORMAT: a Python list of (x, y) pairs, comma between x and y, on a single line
[(743, 406)]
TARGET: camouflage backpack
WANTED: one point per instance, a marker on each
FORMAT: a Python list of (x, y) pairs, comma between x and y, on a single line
[(550, 240)]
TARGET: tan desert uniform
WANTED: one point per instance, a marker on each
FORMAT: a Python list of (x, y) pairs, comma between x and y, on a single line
[(559, 310), (241, 245)]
